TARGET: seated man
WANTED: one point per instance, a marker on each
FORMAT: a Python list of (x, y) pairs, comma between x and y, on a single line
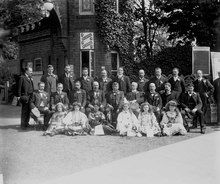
[(169, 94), (114, 101), (78, 95), (154, 99), (41, 101), (192, 105), (59, 97), (134, 97), (94, 97)]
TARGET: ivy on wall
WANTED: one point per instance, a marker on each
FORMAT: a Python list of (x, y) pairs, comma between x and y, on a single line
[(116, 29)]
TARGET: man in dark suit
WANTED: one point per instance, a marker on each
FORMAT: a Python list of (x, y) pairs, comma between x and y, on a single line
[(142, 81), (123, 81), (192, 105), (216, 85), (95, 97), (114, 101), (169, 94), (25, 92), (67, 79), (78, 95), (59, 96), (158, 80), (154, 99), (177, 83), (41, 101), (204, 88), (86, 81), (105, 83), (50, 80)]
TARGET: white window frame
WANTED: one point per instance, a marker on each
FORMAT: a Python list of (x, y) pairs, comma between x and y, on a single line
[(118, 61), (34, 66), (86, 13), (90, 63)]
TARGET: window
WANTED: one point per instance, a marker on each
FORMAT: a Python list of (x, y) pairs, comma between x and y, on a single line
[(116, 5), (88, 60), (38, 65), (86, 7), (114, 62)]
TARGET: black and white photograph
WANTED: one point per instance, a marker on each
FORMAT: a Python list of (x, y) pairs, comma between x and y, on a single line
[(109, 91)]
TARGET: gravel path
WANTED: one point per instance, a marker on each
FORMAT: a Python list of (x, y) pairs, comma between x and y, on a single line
[(29, 157)]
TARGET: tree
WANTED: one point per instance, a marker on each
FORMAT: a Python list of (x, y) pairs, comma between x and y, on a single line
[(15, 13), (192, 19)]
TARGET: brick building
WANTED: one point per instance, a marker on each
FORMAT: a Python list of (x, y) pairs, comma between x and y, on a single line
[(68, 35)]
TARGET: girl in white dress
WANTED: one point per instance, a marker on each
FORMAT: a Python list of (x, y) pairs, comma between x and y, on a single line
[(76, 122), (56, 125), (127, 122), (148, 121), (172, 121)]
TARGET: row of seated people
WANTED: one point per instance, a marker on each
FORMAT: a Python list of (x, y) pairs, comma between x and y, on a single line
[(111, 103)]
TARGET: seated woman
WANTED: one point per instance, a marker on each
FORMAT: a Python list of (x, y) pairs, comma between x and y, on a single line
[(172, 121), (76, 122), (98, 122), (148, 121), (56, 125), (127, 123)]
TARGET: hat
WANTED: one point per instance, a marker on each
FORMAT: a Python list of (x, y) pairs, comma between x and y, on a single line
[(24, 99), (126, 102), (63, 107), (35, 112), (76, 104), (171, 103)]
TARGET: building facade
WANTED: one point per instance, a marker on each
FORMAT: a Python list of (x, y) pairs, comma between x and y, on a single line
[(68, 35)]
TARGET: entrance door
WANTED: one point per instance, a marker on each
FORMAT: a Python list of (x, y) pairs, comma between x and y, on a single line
[(87, 60)]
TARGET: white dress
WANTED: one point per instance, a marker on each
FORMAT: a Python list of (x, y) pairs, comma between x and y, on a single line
[(173, 123), (148, 124), (127, 123)]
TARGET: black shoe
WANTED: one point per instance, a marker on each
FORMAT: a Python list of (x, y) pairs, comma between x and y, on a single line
[(23, 128), (202, 131)]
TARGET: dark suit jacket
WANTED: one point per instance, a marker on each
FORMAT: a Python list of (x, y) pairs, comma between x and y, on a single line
[(50, 83), (134, 96), (119, 99), (178, 85), (158, 82), (184, 100), (105, 86), (207, 88), (166, 98), (56, 98), (68, 82), (25, 86), (79, 97), (124, 84), (37, 99), (154, 100), (142, 84), (100, 98), (216, 94), (86, 84)]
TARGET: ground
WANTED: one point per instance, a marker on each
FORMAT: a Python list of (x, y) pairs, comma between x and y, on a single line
[(29, 157)]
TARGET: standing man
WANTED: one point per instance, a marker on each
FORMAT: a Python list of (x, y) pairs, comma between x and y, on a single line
[(50, 80), (123, 81), (177, 83), (25, 92), (105, 83), (216, 85), (59, 96), (41, 101), (67, 79), (204, 88), (142, 81), (86, 81), (158, 80)]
